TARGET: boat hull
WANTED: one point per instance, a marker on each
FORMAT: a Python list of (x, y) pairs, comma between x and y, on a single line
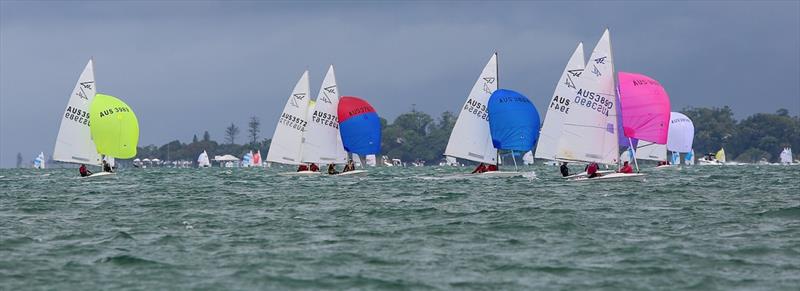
[(498, 174), (584, 174), (100, 175), (612, 177), (353, 173), (300, 173)]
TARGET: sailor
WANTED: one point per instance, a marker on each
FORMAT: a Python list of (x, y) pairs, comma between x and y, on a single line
[(349, 166), (84, 171), (302, 168), (492, 168), (626, 168), (591, 170), (106, 167), (480, 169), (564, 169), (314, 167), (332, 169)]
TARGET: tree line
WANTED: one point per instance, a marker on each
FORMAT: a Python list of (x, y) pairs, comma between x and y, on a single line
[(417, 136)]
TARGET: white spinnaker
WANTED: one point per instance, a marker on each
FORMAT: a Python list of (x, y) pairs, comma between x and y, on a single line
[(547, 146), (681, 133), (646, 150), (202, 160), (590, 129), (74, 143), (286, 146), (470, 138), (323, 143)]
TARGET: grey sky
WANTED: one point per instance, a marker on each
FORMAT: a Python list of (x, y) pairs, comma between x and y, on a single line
[(185, 67)]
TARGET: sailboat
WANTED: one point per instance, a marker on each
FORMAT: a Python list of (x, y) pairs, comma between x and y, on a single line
[(513, 124), (471, 138), (112, 132), (713, 159), (786, 156), (287, 141), (39, 162), (203, 161), (590, 130), (371, 160), (680, 137), (359, 127), (550, 134), (322, 142)]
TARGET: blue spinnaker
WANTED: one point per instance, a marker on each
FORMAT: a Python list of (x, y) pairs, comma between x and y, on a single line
[(513, 121)]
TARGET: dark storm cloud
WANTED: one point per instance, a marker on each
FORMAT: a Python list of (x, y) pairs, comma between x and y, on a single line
[(186, 66)]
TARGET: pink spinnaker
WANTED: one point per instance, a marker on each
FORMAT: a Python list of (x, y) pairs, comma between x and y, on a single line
[(644, 106)]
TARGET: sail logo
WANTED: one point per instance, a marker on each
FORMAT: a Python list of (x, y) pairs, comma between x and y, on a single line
[(576, 72), (569, 82), (489, 80), (486, 87), (325, 91), (298, 96), (595, 71), (84, 85), (600, 60)]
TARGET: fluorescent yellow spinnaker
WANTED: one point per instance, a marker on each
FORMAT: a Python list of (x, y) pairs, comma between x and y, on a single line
[(114, 127)]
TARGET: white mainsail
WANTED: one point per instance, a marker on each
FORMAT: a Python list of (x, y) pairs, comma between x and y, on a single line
[(202, 160), (286, 146), (470, 138), (559, 106), (322, 141), (646, 150), (786, 156), (590, 130), (74, 142)]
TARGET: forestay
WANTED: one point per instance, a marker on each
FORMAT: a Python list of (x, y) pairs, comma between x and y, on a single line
[(286, 146), (590, 130), (559, 106), (470, 138), (323, 144), (74, 142)]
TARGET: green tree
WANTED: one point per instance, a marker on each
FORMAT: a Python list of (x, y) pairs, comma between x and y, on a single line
[(253, 129), (230, 133)]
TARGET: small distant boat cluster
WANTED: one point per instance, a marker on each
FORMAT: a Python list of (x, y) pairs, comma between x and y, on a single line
[(594, 112)]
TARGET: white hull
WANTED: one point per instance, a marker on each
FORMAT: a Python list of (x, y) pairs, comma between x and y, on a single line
[(100, 174), (353, 173), (664, 167), (584, 174), (709, 163), (614, 177), (301, 173), (498, 174)]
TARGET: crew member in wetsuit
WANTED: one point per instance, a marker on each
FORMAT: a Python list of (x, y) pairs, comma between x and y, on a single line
[(84, 171), (302, 168), (106, 167), (591, 170), (349, 166), (626, 168), (332, 169), (564, 169), (480, 169), (314, 167)]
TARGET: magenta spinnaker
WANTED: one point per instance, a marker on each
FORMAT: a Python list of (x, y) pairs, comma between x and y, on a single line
[(645, 108)]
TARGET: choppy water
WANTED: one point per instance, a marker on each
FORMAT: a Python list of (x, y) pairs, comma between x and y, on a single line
[(413, 228)]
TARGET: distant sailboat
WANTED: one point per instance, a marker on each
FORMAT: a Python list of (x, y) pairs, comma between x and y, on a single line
[(39, 162), (786, 156), (257, 159), (590, 132), (547, 147), (681, 136), (645, 113), (203, 161), (471, 138), (689, 158), (372, 160)]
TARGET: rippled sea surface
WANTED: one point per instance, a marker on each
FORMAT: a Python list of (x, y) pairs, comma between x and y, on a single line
[(705, 228)]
